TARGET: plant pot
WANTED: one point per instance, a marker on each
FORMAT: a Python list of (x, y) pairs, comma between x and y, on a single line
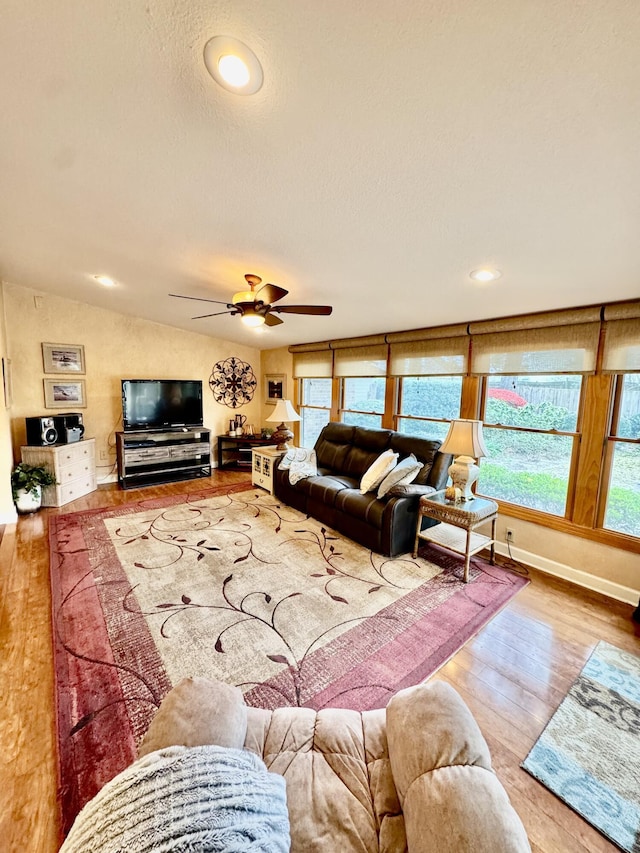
[(28, 502)]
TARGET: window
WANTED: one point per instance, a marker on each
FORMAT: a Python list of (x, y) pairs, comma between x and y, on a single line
[(362, 371), (427, 404), (363, 401), (430, 371), (622, 495), (531, 431), (315, 409)]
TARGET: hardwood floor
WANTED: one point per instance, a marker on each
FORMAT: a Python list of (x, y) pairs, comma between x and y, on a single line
[(512, 675)]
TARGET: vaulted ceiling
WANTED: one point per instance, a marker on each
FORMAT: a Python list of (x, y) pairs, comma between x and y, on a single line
[(392, 149)]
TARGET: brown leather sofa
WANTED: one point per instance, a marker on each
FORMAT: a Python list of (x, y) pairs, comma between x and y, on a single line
[(344, 453)]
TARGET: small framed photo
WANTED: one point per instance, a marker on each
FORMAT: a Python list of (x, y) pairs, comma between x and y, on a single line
[(64, 393), (275, 387), (63, 358)]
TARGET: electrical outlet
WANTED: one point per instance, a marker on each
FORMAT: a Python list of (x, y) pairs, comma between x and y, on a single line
[(509, 535), (104, 455)]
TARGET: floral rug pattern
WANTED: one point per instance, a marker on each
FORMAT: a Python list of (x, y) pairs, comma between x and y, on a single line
[(233, 585)]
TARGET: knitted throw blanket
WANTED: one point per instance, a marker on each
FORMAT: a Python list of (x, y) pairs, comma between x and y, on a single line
[(206, 798)]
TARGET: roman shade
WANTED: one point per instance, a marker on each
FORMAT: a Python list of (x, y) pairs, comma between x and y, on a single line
[(361, 361), (430, 357), (317, 364), (622, 338)]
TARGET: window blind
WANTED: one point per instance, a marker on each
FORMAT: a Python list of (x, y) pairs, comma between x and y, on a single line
[(622, 346), (437, 357), (559, 349), (361, 361), (317, 364)]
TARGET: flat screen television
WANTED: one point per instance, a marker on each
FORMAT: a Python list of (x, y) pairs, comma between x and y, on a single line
[(161, 403)]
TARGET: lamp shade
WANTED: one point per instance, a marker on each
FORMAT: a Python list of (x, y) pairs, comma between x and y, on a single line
[(284, 412), (465, 439)]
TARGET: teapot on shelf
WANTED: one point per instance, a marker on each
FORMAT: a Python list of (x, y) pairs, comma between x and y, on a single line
[(240, 422)]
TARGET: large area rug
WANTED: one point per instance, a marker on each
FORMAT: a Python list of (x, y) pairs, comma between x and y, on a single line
[(589, 752), (231, 584)]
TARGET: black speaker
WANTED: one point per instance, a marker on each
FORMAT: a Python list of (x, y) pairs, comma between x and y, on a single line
[(69, 427), (41, 431)]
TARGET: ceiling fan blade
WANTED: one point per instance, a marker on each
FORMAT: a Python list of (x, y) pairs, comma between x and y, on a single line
[(217, 314), (320, 310), (271, 320), (201, 299), (270, 293)]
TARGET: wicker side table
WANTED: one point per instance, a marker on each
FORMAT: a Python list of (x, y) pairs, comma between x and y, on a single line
[(457, 525)]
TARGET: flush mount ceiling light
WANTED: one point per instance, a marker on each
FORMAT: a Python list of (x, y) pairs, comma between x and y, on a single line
[(105, 281), (485, 274), (233, 65)]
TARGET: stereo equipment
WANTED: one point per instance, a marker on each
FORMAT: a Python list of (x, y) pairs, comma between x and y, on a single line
[(41, 431), (69, 427)]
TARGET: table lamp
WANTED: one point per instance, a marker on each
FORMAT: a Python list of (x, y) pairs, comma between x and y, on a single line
[(465, 441), (283, 412)]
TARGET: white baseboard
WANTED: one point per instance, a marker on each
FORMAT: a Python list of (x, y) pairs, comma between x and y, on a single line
[(560, 570), (8, 517)]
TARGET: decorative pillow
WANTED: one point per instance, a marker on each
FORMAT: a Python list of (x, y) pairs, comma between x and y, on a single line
[(377, 471), (304, 464), (404, 472)]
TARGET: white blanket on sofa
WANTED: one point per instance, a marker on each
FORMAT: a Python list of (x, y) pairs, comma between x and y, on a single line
[(206, 798)]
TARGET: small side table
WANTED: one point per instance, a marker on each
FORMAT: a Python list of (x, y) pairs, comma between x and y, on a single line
[(262, 464), (457, 523)]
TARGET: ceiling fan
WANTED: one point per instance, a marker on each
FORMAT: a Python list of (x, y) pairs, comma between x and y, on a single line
[(256, 307)]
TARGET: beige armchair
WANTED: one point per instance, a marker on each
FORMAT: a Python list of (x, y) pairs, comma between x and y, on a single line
[(414, 777)]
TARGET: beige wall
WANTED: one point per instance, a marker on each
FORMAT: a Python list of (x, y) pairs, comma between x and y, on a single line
[(116, 347), (7, 509), (278, 362)]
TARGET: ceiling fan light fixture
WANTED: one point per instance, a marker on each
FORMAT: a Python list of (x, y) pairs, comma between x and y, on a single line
[(252, 320), (243, 296), (233, 65)]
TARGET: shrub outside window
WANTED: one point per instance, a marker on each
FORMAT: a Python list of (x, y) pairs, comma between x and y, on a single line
[(363, 401), (427, 404)]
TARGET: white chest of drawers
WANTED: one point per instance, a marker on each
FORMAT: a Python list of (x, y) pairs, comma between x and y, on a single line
[(73, 465)]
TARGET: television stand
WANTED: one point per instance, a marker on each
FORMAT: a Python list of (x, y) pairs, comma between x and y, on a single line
[(151, 458)]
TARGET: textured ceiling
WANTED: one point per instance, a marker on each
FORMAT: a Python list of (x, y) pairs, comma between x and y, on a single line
[(393, 148)]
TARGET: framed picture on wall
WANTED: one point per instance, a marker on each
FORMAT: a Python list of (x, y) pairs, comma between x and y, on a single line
[(63, 358), (275, 387), (64, 393)]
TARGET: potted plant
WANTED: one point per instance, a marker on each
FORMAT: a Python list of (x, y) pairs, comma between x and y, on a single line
[(26, 485)]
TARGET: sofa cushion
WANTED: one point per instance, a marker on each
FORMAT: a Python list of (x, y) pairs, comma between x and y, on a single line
[(364, 507), (331, 757), (405, 472), (324, 489), (366, 447), (377, 471), (423, 449), (333, 446)]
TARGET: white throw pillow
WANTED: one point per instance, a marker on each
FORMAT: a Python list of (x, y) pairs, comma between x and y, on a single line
[(404, 472), (377, 471)]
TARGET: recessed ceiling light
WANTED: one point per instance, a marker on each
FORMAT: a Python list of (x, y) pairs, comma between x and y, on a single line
[(485, 274), (105, 281), (233, 65)]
